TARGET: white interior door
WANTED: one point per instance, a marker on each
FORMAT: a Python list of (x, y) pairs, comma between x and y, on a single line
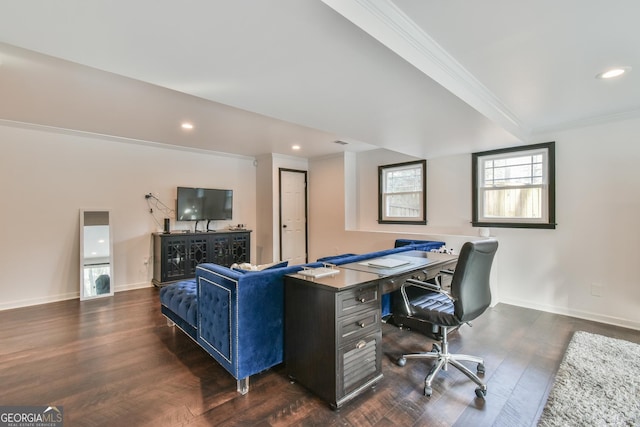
[(293, 216)]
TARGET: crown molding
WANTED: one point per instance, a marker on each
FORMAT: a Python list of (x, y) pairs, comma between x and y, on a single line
[(113, 138), (586, 122), (385, 22)]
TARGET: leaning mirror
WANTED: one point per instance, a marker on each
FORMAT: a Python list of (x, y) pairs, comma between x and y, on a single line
[(96, 254)]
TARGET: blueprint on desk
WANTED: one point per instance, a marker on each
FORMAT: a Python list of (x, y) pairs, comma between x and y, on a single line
[(389, 264), (385, 263)]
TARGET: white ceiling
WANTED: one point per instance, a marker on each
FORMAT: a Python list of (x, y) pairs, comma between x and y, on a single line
[(426, 78)]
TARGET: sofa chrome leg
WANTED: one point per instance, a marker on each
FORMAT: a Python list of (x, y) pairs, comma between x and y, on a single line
[(243, 386), (170, 322)]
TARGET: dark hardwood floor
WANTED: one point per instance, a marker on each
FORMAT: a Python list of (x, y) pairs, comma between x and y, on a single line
[(115, 361)]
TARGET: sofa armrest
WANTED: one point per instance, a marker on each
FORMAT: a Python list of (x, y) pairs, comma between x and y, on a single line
[(241, 317)]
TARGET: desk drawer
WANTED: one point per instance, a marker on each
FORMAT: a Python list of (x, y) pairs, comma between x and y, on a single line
[(358, 299), (390, 284), (356, 326), (359, 362)]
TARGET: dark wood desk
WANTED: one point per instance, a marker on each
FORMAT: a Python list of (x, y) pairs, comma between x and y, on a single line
[(333, 333), (422, 266), (333, 330)]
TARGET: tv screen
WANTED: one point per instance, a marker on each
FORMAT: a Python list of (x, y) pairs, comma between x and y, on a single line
[(197, 204)]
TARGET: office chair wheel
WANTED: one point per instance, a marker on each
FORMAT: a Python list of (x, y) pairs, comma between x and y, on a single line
[(401, 361), (480, 369), (428, 391), (481, 393)]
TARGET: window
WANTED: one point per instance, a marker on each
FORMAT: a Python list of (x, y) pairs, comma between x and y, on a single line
[(515, 187), (402, 190)]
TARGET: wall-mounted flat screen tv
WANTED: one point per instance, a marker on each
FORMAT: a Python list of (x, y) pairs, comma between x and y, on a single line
[(197, 204)]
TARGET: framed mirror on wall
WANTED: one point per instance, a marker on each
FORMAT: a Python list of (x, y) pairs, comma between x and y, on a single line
[(96, 254)]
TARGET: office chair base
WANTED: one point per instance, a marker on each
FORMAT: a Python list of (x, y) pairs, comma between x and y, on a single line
[(442, 361), (425, 328)]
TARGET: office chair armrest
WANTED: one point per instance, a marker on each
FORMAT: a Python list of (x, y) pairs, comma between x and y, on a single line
[(424, 285), (420, 284), (438, 278)]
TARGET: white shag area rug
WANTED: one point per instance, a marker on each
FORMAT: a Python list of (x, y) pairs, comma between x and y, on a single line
[(597, 384)]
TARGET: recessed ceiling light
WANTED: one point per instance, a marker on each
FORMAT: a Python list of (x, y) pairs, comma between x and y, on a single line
[(613, 72), (187, 126), (295, 147)]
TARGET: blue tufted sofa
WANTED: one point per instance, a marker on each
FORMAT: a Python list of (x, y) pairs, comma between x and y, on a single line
[(237, 317)]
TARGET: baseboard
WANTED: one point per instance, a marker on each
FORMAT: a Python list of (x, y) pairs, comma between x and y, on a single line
[(37, 301), (66, 296), (586, 315), (133, 286)]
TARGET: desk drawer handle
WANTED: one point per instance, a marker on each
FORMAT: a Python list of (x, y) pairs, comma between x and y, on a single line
[(361, 299), (362, 324), (361, 344)]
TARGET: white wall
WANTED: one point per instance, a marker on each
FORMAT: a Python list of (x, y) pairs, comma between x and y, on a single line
[(47, 176), (264, 199), (326, 182), (597, 241)]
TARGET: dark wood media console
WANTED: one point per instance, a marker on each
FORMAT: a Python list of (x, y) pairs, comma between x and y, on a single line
[(176, 255)]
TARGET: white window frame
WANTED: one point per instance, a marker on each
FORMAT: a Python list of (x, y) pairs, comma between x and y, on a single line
[(544, 183), (383, 171)]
